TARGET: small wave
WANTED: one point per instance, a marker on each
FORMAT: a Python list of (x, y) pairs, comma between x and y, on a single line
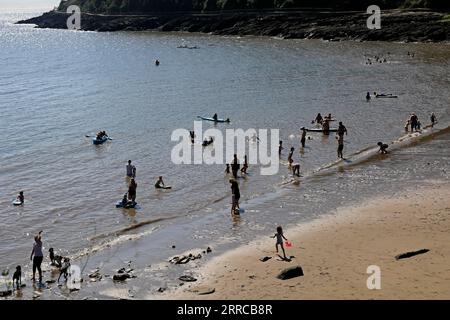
[(370, 153), (129, 228)]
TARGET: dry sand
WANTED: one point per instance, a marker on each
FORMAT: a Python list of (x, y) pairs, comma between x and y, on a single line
[(335, 251)]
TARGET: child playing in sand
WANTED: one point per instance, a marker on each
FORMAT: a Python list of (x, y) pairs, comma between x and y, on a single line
[(279, 235)]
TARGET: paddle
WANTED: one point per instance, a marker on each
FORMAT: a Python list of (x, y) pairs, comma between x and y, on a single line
[(88, 136)]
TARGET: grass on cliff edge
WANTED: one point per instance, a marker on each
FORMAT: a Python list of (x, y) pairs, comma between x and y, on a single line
[(446, 18)]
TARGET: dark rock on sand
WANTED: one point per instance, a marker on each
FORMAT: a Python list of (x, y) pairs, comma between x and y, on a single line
[(200, 290), (411, 254), (5, 293), (264, 259), (290, 273), (121, 277), (187, 278), (161, 290)]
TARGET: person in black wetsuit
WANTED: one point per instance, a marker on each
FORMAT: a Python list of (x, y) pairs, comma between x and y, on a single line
[(215, 117), (303, 139), (433, 119), (235, 166), (341, 129), (236, 195), (383, 147), (319, 118), (413, 121)]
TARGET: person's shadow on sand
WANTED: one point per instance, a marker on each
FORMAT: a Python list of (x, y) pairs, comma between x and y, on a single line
[(285, 259)]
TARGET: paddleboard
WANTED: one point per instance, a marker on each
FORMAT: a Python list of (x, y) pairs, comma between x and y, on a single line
[(386, 96), (128, 206), (211, 119), (321, 130)]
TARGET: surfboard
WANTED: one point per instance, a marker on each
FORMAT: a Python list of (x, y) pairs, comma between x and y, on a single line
[(17, 202)]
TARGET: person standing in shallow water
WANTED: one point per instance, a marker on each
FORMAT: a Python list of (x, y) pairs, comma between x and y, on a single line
[(245, 165), (303, 139), (235, 166), (132, 190), (37, 256), (340, 149), (235, 196), (131, 170), (433, 119)]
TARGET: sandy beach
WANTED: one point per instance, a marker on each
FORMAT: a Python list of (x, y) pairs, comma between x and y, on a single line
[(335, 252)]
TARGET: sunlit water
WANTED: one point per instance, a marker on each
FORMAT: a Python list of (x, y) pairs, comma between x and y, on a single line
[(58, 86)]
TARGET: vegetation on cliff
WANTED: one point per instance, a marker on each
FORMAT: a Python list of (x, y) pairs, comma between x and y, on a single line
[(131, 6)]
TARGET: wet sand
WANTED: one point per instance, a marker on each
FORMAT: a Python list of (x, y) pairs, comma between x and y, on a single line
[(335, 251)]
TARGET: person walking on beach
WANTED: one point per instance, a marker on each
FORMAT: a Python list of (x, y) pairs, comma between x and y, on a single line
[(303, 139), (340, 149), (280, 236), (37, 256), (235, 196), (132, 190), (235, 166), (131, 170), (245, 165)]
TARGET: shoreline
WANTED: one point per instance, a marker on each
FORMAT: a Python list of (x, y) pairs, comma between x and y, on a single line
[(335, 251), (396, 24)]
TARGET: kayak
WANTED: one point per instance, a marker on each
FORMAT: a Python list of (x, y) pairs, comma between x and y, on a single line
[(212, 119), (127, 206), (321, 130), (99, 141)]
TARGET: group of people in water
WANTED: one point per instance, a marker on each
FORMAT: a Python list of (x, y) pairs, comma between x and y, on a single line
[(129, 198)]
